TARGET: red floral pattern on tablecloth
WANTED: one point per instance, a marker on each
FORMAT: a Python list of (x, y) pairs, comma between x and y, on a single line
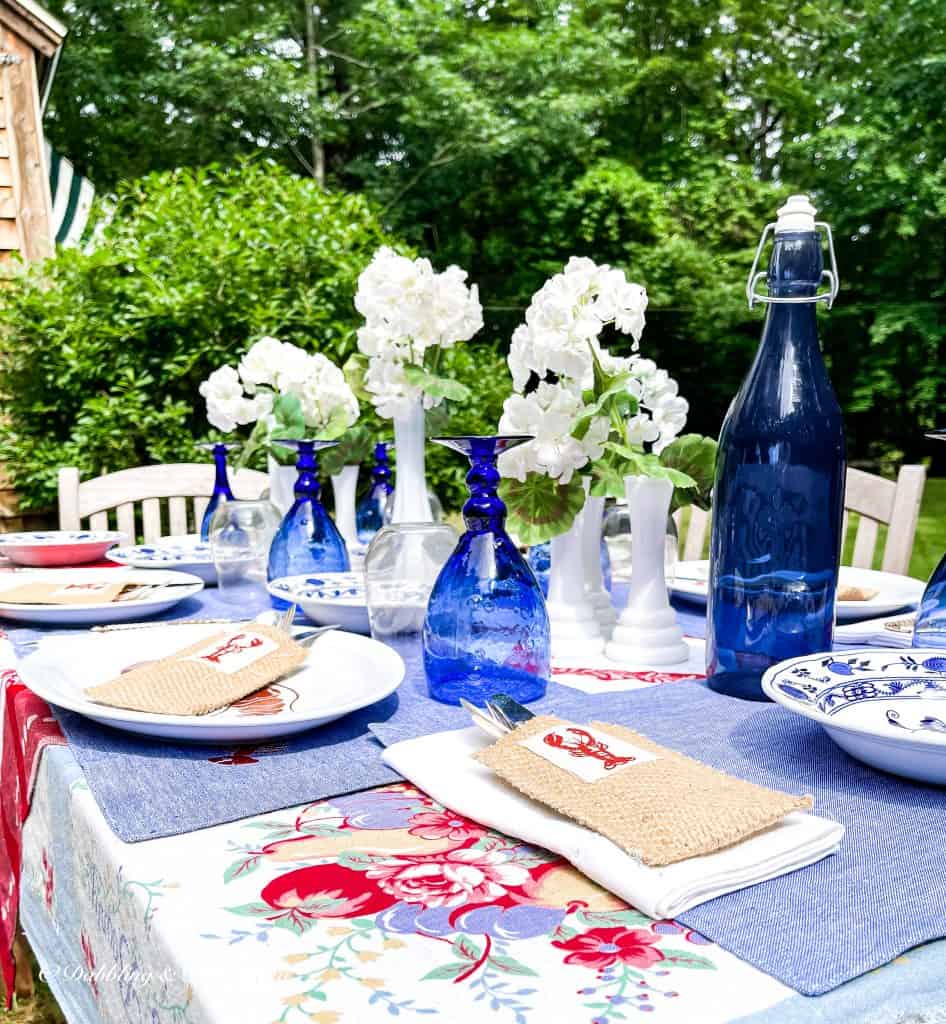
[(357, 878), (28, 728)]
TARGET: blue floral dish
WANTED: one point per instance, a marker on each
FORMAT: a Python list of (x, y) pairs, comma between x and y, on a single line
[(329, 598), (886, 707)]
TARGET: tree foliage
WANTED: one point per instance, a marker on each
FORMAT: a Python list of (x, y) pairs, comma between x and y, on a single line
[(102, 352), (506, 135)]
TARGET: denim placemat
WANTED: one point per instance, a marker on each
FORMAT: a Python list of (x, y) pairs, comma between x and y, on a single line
[(880, 895), (147, 788)]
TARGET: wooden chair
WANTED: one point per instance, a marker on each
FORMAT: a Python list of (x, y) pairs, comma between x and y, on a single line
[(874, 500), (186, 487)]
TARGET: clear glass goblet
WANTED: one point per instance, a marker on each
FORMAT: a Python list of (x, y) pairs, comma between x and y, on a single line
[(240, 534), (402, 564)]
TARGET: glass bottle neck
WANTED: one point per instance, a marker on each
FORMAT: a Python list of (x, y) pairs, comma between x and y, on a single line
[(795, 271)]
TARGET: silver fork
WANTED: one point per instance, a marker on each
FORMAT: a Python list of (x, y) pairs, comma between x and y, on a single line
[(500, 715)]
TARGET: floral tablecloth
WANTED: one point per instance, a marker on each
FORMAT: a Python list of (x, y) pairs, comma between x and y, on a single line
[(376, 905)]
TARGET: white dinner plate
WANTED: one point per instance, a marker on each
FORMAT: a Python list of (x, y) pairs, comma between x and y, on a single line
[(50, 548), (171, 588), (893, 591), (342, 673), (327, 598), (886, 707), (187, 553)]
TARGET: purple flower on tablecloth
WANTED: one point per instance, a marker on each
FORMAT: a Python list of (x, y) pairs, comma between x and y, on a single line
[(382, 808), (519, 922)]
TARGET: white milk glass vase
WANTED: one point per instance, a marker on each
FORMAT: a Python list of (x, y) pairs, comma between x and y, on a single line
[(344, 487), (411, 503), (574, 624), (647, 630), (282, 481), (595, 590)]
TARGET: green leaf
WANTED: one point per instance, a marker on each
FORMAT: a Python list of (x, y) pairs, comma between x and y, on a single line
[(354, 368), (695, 456), (691, 960), (640, 463), (436, 387), (336, 426), (354, 448), (287, 414), (253, 910), (466, 948), (446, 972), (240, 868), (509, 965), (539, 508)]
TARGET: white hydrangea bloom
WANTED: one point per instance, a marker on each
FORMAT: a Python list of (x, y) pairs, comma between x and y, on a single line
[(408, 308), (270, 367)]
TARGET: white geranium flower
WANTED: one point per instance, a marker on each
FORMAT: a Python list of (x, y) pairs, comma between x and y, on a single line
[(273, 367), (549, 414), (223, 393), (408, 307), (260, 363)]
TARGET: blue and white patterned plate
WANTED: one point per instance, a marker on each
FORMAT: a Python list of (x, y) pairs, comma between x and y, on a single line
[(886, 707), (50, 548), (328, 598), (187, 553)]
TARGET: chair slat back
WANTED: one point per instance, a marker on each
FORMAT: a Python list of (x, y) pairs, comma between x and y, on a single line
[(874, 500), (184, 487)]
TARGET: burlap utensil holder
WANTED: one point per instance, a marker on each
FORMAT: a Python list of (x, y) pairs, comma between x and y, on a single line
[(207, 675), (659, 806), (64, 593)]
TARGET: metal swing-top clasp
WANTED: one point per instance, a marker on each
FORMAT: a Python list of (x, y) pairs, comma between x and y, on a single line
[(797, 214)]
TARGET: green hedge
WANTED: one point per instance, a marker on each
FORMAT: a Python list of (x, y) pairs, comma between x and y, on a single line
[(102, 352)]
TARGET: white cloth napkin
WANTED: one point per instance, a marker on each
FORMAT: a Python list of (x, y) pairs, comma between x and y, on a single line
[(877, 632), (442, 765)]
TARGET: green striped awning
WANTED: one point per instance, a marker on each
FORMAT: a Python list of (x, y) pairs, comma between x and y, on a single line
[(72, 197)]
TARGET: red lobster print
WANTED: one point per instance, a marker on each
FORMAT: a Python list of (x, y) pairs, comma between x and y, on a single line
[(238, 642), (587, 746)]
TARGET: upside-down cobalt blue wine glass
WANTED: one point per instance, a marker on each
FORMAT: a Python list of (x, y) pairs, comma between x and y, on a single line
[(221, 491), (307, 540), (486, 630), (369, 516)]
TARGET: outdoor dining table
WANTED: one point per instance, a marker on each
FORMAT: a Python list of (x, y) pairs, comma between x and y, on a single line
[(282, 917)]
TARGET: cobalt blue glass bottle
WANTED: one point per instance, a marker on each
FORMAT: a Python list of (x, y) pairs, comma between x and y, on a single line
[(369, 516), (779, 493), (929, 630), (221, 491), (486, 630), (307, 540)]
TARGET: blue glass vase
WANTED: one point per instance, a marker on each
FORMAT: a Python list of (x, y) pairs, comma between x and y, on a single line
[(779, 491), (307, 540), (486, 630), (221, 491), (929, 630), (369, 516)]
